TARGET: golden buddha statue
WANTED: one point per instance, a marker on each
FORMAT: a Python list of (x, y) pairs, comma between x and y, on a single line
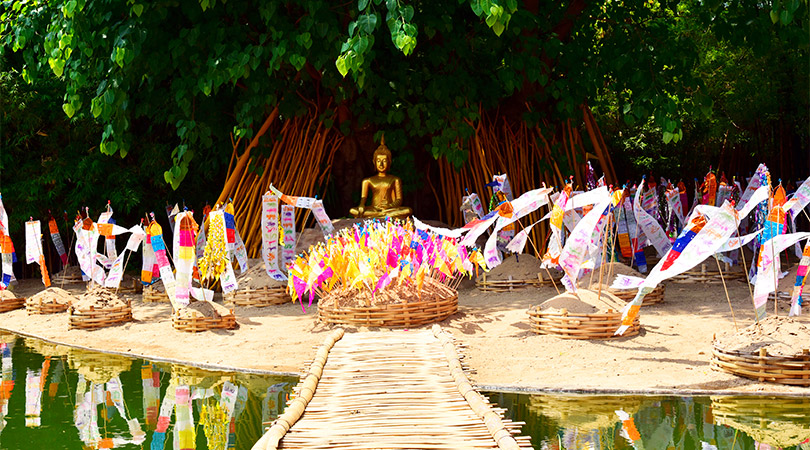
[(386, 190)]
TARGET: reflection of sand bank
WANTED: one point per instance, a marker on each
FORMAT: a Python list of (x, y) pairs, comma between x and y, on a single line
[(777, 421), (97, 367), (586, 412)]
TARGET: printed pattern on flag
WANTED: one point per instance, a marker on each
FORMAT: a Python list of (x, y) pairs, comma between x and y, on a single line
[(185, 239), (270, 236), (647, 223), (162, 257), (801, 279), (56, 238), (768, 268), (288, 225), (704, 243)]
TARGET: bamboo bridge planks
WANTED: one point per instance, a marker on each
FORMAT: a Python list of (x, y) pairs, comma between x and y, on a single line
[(393, 390)]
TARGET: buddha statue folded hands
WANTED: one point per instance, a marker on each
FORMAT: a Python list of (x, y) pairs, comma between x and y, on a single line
[(385, 189)]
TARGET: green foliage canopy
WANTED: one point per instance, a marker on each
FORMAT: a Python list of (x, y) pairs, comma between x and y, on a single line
[(193, 72)]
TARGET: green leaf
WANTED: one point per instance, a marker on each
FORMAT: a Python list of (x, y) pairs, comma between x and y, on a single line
[(57, 66), (341, 66), (668, 137), (774, 17), (361, 45), (367, 23), (407, 13), (362, 4), (68, 109), (137, 9), (498, 28), (95, 108), (785, 17), (70, 7)]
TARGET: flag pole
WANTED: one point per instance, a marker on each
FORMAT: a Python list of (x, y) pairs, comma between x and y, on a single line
[(723, 279), (745, 267), (604, 249)]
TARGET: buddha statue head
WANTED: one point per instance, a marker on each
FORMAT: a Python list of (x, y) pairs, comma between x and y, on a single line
[(382, 157)]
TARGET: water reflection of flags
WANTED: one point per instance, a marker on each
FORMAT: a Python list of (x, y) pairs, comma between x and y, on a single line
[(150, 379), (629, 430), (184, 435)]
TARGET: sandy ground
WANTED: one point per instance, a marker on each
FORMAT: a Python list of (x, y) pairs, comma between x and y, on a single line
[(671, 355)]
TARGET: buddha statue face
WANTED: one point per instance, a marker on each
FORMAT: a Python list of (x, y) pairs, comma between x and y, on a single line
[(382, 159), (381, 163)]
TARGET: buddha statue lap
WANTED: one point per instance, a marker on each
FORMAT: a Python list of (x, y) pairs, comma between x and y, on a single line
[(385, 189)]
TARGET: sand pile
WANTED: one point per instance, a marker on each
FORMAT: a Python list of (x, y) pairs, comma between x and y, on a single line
[(70, 271), (583, 302), (53, 295), (98, 297), (256, 277), (519, 267), (617, 268), (7, 295), (201, 309), (780, 336)]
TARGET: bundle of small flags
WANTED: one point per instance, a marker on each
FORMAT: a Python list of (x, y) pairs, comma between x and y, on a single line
[(377, 254)]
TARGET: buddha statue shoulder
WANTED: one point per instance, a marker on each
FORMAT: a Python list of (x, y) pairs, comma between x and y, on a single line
[(385, 190)]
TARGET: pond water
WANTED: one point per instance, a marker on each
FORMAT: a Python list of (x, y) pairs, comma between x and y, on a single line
[(57, 397)]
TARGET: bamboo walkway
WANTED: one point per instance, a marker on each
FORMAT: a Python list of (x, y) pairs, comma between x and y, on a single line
[(392, 390)]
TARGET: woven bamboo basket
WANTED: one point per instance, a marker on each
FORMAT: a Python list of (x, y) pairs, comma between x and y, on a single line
[(93, 318), (656, 296), (72, 277), (708, 273), (195, 322), (588, 412), (777, 421), (153, 295), (10, 304), (39, 307), (407, 314), (565, 325), (510, 284), (264, 296), (132, 287), (97, 367), (760, 366)]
